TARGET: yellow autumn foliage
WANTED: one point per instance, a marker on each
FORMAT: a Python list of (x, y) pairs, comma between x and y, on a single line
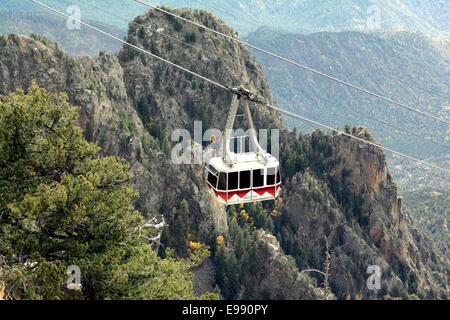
[(244, 215), (275, 213), (194, 245), (220, 240), (198, 252)]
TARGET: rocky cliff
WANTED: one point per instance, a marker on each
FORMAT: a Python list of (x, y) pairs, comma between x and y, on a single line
[(336, 189), (177, 104), (350, 198)]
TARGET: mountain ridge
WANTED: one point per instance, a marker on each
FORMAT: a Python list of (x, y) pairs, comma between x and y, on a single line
[(335, 188), (304, 16)]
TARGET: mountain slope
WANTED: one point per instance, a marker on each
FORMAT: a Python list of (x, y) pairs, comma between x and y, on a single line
[(403, 66), (431, 210), (334, 188), (310, 16), (27, 8), (392, 64), (429, 17), (77, 41)]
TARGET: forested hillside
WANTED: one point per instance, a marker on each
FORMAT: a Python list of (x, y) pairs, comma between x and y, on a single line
[(340, 211), (431, 209)]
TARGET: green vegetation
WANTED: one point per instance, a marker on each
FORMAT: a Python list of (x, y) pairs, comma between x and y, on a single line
[(236, 258), (238, 254), (177, 235), (431, 210), (191, 37), (177, 25), (62, 205)]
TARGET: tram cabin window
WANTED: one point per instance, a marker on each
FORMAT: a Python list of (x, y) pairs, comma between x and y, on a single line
[(258, 178), (244, 180), (222, 181), (212, 179), (233, 181), (271, 176)]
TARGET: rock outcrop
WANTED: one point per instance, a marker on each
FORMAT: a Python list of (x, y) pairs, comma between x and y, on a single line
[(358, 210), (278, 278), (129, 105)]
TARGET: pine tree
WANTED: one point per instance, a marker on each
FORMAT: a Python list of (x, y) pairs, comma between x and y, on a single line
[(62, 205)]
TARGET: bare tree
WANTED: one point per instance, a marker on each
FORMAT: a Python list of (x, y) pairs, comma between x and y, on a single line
[(153, 224), (327, 269)]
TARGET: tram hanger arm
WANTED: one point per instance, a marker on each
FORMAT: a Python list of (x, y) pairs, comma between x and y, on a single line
[(254, 138), (228, 128), (249, 96)]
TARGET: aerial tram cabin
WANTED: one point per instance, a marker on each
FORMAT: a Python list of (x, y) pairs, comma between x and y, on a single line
[(243, 177), (248, 181)]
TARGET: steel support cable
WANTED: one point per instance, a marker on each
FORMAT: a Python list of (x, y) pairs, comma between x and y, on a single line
[(397, 128), (317, 72), (129, 44), (252, 70), (198, 49), (226, 11), (296, 116), (241, 15), (387, 124), (425, 139), (291, 114)]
